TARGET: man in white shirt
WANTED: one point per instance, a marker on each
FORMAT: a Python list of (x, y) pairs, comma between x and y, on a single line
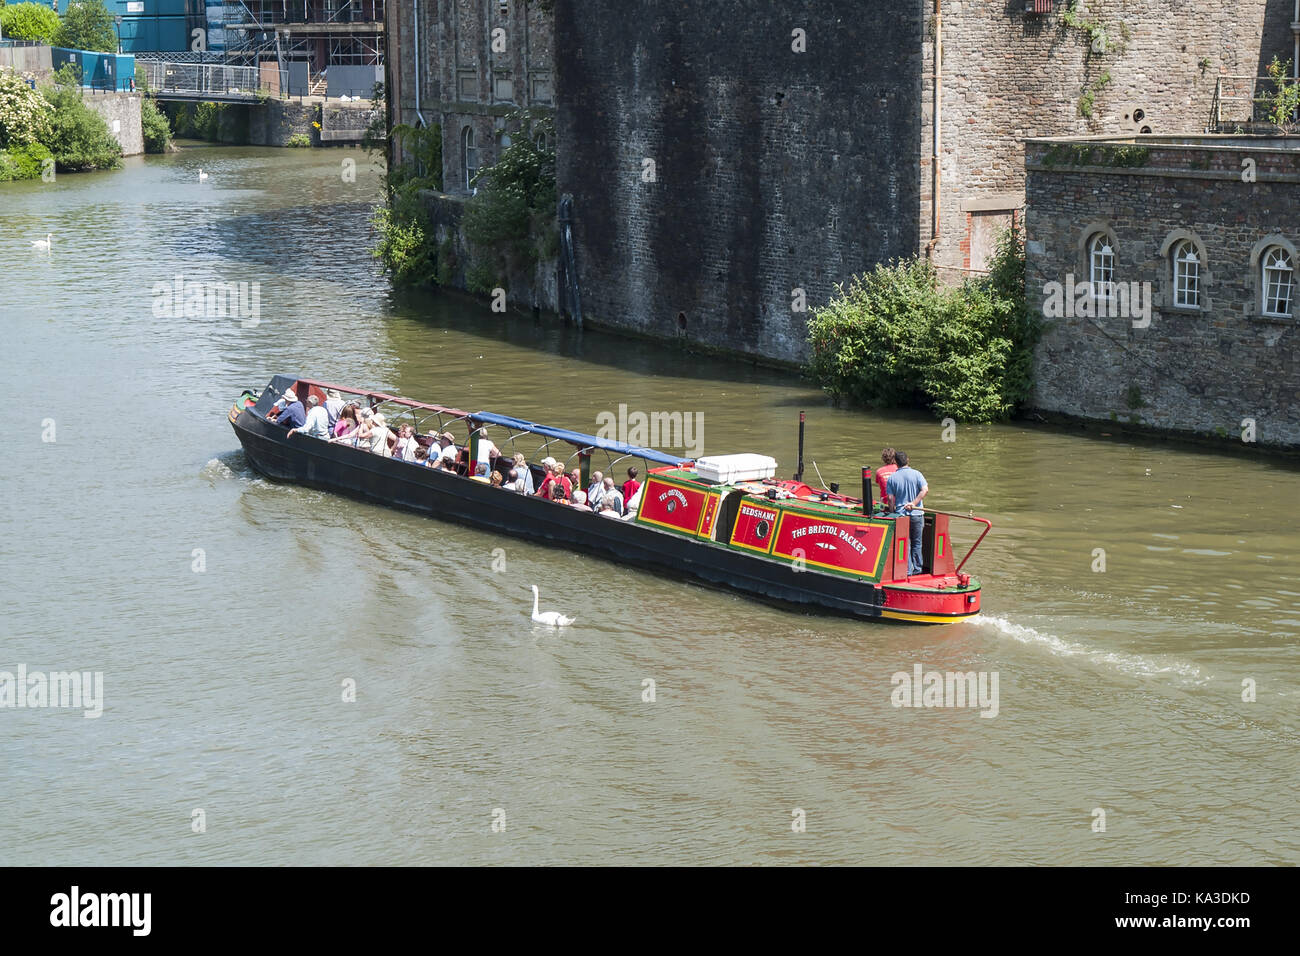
[(446, 452), (318, 422)]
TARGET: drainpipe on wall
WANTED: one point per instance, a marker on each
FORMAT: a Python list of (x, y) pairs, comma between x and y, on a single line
[(1295, 45), (936, 135), (415, 55)]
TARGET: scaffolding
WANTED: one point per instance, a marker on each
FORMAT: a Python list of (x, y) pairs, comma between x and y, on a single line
[(321, 32)]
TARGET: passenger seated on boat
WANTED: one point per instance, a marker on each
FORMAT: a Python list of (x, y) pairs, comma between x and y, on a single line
[(595, 490), (291, 415), (607, 509), (575, 480), (333, 405), (421, 456), (611, 494), (381, 437), (496, 479), (557, 477), (524, 475), (580, 501), (405, 446), (347, 422), (558, 490), (481, 473), (631, 485), (445, 456), (317, 424)]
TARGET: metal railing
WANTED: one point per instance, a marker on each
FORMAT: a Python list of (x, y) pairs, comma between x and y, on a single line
[(203, 78), (1239, 100)]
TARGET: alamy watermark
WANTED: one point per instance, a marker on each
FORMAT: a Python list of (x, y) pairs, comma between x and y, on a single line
[(923, 688), (654, 429), (1104, 300), (181, 299), (68, 689)]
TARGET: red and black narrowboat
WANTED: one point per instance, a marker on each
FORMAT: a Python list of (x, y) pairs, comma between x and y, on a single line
[(725, 520)]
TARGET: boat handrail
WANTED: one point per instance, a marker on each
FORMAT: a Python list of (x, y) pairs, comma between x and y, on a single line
[(988, 526)]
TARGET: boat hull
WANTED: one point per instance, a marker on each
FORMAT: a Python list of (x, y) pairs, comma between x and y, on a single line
[(345, 470)]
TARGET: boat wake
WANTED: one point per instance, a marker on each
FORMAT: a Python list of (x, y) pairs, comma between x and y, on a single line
[(230, 466), (1136, 665)]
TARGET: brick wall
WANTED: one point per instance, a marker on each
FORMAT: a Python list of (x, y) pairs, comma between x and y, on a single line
[(1203, 370), (1008, 76)]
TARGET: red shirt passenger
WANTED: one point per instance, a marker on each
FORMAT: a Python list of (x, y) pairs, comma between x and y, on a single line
[(631, 486), (888, 467)]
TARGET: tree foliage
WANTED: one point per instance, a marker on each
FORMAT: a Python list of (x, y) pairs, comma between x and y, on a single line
[(153, 124), (24, 113), (87, 25), (29, 21), (511, 217), (79, 137), (1280, 105), (895, 337)]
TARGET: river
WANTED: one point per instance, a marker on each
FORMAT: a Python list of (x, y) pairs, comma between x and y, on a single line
[(228, 614)]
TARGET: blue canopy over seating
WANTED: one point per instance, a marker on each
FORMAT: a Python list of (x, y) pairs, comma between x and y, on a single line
[(577, 438)]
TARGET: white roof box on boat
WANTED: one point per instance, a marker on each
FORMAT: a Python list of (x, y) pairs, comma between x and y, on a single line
[(728, 469)]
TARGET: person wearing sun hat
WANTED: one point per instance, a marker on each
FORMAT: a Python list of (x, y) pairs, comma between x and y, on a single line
[(333, 405), (293, 415), (379, 435)]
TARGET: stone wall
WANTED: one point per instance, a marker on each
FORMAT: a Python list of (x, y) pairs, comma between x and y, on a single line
[(536, 288), (1202, 370), (1008, 75), (273, 123), (715, 170), (121, 111)]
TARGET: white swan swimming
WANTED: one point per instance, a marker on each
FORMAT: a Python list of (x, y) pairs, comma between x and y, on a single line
[(203, 177), (553, 618), (44, 244)]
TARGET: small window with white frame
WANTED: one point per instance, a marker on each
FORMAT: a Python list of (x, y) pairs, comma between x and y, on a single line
[(1277, 275), (1187, 275), (1101, 266)]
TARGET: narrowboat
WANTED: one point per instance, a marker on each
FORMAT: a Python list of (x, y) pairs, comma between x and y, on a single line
[(725, 521)]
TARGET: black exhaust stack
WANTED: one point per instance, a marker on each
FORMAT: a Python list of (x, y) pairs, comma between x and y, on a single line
[(798, 475), (866, 491)]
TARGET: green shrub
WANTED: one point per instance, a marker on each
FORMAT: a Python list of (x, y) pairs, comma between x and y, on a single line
[(406, 244), (87, 25), (507, 222), (23, 162), (895, 337), (29, 21), (153, 123), (79, 137), (24, 113), (298, 140)]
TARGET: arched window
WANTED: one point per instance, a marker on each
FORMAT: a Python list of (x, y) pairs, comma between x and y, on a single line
[(541, 141), (469, 153), (1278, 272), (1101, 266), (1187, 276)]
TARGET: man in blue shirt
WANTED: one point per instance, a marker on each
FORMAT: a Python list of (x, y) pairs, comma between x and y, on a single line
[(907, 488), (292, 415)]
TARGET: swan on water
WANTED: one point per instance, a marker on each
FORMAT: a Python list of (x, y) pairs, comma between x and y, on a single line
[(553, 618), (203, 177), (44, 244)]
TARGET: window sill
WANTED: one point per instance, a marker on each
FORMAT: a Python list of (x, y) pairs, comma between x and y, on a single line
[(1272, 319)]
